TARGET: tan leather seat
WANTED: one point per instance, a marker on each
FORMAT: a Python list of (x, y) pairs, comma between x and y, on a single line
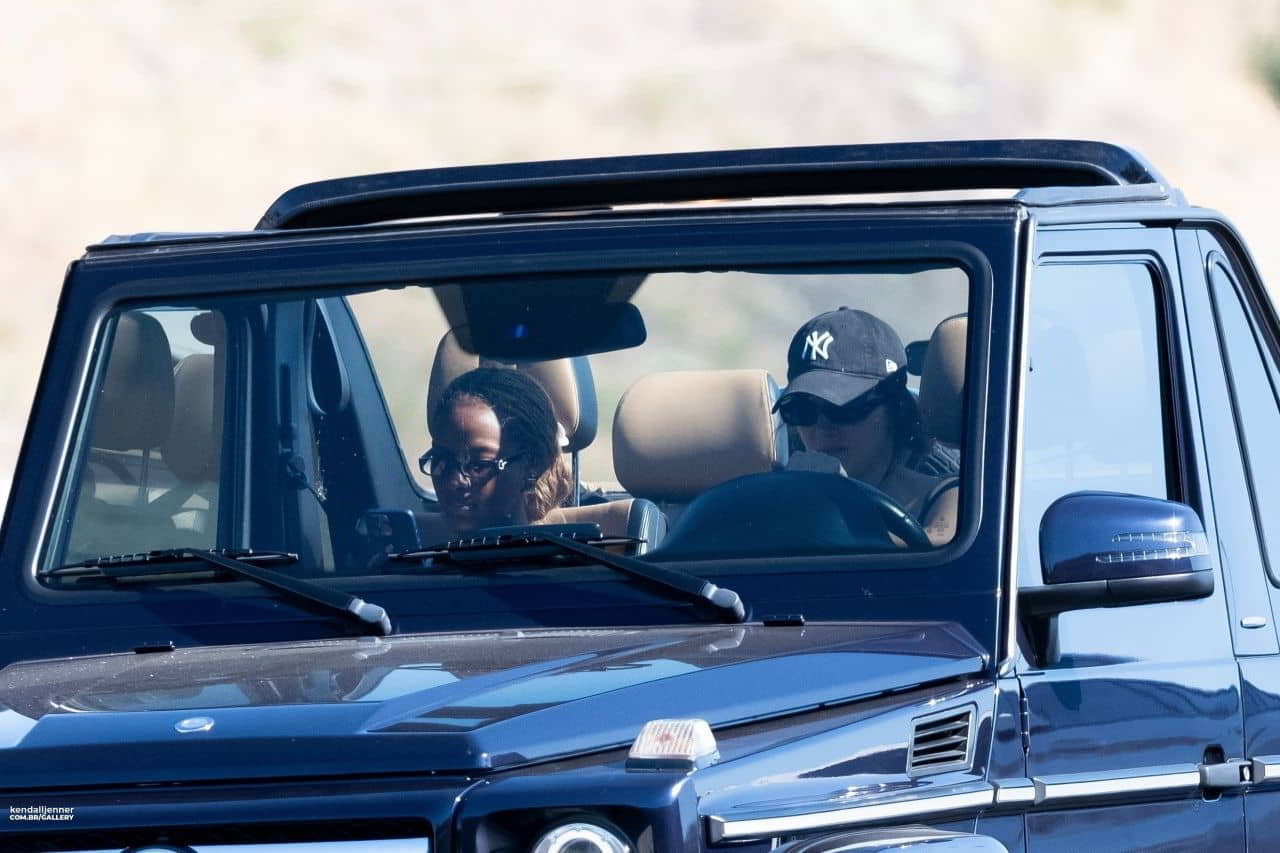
[(135, 403), (942, 398), (942, 380), (569, 384), (193, 450), (678, 434)]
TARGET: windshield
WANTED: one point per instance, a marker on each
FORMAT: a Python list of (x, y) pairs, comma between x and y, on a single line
[(719, 422)]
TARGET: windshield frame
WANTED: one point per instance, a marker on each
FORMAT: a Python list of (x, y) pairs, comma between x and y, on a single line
[(324, 266)]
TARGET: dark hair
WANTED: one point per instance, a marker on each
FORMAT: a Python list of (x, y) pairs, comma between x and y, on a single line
[(909, 433), (528, 422), (912, 443)]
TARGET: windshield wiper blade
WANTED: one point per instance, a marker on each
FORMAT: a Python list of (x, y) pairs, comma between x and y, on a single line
[(158, 562), (491, 547), (243, 564)]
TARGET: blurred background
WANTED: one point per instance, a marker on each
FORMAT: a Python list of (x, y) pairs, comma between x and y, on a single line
[(141, 115)]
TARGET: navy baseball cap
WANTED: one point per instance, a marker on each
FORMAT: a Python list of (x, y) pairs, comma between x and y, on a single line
[(841, 355)]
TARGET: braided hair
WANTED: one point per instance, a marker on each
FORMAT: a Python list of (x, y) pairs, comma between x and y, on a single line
[(528, 424)]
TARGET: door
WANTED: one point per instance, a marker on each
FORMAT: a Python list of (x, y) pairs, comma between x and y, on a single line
[(1123, 705), (1235, 357)]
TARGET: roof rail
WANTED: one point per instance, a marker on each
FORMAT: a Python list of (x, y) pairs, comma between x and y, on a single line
[(603, 181)]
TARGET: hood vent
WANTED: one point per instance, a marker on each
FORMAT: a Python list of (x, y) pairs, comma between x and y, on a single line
[(941, 742)]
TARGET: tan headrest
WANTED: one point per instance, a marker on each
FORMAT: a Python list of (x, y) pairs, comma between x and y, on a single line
[(135, 403), (567, 382), (195, 442), (677, 434), (942, 380)]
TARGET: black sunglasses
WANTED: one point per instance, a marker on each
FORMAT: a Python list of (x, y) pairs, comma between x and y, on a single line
[(438, 463), (804, 411)]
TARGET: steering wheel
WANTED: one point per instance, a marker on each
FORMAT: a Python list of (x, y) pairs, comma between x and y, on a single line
[(899, 522), (789, 512)]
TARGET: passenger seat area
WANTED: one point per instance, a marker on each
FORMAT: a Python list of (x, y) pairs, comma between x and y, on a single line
[(569, 384), (151, 476)]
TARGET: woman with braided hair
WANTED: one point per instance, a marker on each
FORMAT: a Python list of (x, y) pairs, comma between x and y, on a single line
[(495, 459)]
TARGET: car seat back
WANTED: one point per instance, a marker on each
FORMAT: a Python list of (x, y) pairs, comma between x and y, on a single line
[(679, 433), (942, 380), (567, 382)]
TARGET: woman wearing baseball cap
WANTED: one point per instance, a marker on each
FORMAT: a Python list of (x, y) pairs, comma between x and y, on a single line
[(847, 397)]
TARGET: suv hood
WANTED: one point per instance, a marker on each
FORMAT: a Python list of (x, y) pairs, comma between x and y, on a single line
[(463, 703)]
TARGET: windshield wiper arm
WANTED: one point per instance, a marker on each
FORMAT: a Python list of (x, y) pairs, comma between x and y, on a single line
[(239, 563), (157, 562), (727, 603)]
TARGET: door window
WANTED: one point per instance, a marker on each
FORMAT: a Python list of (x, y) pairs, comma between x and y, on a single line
[(1257, 412), (1095, 419), (1094, 415), (151, 477)]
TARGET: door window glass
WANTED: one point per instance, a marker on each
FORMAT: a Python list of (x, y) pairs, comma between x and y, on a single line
[(1094, 401), (1256, 409), (151, 478)]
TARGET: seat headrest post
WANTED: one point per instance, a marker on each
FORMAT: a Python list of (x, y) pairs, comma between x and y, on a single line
[(577, 479)]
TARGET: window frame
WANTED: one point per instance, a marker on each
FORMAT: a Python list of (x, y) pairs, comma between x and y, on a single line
[(1215, 260), (1154, 247), (1176, 465), (312, 266), (229, 523)]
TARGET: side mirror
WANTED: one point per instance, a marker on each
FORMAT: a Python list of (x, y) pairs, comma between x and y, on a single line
[(1102, 549)]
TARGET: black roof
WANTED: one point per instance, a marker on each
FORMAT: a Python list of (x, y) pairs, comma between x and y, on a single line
[(604, 181)]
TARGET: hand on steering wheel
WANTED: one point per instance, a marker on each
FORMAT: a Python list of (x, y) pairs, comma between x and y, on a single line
[(897, 520)]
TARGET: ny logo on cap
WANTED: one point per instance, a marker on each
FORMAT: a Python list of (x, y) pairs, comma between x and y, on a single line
[(816, 344)]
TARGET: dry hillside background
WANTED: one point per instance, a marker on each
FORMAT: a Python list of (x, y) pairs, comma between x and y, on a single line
[(194, 114)]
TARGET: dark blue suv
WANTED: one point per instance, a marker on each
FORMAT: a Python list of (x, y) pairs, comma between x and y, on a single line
[(880, 497)]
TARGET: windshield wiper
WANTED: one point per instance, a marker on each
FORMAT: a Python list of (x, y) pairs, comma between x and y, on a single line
[(241, 563), (502, 544)]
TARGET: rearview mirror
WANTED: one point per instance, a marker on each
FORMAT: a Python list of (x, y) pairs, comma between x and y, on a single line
[(543, 334), (1103, 549), (544, 317)]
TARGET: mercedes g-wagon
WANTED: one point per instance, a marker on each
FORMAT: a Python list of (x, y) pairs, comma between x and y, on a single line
[(280, 570)]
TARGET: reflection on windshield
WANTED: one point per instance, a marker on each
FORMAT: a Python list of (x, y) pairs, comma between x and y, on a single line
[(845, 374)]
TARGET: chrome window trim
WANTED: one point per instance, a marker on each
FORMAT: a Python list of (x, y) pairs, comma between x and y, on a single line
[(90, 361), (964, 797), (1007, 662)]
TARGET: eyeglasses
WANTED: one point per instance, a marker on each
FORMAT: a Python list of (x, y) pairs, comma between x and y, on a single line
[(804, 411), (438, 463)]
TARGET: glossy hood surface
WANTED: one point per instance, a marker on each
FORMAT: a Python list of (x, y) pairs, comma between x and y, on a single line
[(462, 703)]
